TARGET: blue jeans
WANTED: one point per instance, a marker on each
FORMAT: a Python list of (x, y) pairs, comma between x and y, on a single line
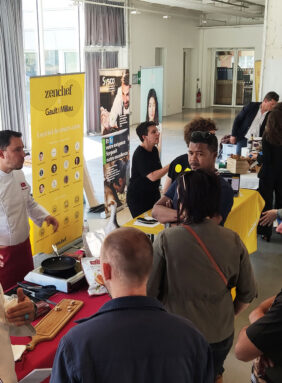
[(241, 144)]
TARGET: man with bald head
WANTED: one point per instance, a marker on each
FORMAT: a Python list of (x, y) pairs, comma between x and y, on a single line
[(131, 338)]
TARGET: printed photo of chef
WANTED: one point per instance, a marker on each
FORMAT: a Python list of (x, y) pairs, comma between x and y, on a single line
[(114, 100)]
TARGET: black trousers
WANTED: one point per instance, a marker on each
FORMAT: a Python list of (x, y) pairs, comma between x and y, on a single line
[(268, 188), (220, 351)]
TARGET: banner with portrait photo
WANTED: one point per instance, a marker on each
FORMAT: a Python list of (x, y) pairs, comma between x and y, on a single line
[(57, 111), (114, 108), (152, 97)]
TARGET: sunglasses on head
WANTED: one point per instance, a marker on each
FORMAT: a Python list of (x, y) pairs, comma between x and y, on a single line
[(201, 136)]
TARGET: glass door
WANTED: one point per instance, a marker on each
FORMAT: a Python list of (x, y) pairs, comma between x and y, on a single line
[(223, 84), (234, 77), (245, 76)]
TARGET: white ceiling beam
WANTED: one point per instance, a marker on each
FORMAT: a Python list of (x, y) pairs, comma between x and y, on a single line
[(199, 6)]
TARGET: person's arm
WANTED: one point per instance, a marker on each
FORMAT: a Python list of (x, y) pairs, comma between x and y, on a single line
[(23, 312), (245, 350), (239, 306), (233, 140), (167, 184), (38, 213), (157, 174), (226, 200), (261, 309), (155, 285), (246, 288), (50, 220), (279, 228), (268, 217), (237, 123), (163, 211)]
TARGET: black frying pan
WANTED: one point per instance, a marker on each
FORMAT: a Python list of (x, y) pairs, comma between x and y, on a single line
[(62, 266)]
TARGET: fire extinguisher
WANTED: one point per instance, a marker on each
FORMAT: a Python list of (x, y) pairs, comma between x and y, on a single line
[(198, 96)]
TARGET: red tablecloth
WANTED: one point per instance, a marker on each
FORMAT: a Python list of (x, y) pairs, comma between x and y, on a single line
[(43, 354)]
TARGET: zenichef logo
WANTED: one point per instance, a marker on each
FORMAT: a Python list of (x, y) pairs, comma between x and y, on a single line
[(62, 91)]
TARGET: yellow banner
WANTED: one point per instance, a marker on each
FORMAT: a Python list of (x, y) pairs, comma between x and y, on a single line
[(57, 111), (257, 77)]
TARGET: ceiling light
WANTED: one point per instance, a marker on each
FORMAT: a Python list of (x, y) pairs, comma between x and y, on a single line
[(165, 17), (135, 12)]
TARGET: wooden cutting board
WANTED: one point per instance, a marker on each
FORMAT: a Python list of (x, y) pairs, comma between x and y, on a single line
[(54, 321)]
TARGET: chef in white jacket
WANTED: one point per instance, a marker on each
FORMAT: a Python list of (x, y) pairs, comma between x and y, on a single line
[(14, 320), (16, 206), (120, 105)]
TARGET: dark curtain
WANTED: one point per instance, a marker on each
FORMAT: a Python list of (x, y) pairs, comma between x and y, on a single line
[(104, 25), (92, 66), (93, 62), (110, 60)]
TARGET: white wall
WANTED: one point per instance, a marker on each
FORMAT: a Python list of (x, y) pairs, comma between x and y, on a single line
[(150, 31), (225, 37)]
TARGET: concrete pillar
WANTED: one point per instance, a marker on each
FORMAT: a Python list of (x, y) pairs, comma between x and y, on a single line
[(272, 49)]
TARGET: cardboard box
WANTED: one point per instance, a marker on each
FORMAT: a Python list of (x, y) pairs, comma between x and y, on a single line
[(237, 166)]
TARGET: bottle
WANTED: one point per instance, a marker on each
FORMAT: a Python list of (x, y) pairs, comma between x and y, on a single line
[(85, 231), (85, 227), (250, 143)]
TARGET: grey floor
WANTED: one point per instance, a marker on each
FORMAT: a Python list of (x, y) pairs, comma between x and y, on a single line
[(266, 262)]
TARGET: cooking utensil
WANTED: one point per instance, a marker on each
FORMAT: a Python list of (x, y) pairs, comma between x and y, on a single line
[(36, 288), (55, 249), (41, 292), (59, 266), (34, 295)]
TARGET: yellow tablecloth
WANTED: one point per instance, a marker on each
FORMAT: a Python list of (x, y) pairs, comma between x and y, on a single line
[(146, 229), (243, 218)]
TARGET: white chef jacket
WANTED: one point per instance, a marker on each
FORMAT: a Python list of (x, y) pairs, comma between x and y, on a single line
[(117, 109), (16, 205), (7, 364)]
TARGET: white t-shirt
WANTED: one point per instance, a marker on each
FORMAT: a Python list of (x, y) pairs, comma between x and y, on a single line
[(256, 124)]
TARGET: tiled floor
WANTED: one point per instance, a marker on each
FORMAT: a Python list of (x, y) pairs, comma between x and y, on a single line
[(267, 261)]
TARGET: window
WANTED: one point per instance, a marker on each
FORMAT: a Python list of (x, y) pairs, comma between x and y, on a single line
[(51, 39)]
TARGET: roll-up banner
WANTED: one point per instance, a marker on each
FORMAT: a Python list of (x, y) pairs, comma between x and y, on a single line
[(57, 111), (114, 102), (152, 97)]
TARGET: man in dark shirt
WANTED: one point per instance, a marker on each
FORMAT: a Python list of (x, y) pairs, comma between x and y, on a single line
[(131, 338), (252, 120), (180, 163), (262, 340), (202, 153)]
